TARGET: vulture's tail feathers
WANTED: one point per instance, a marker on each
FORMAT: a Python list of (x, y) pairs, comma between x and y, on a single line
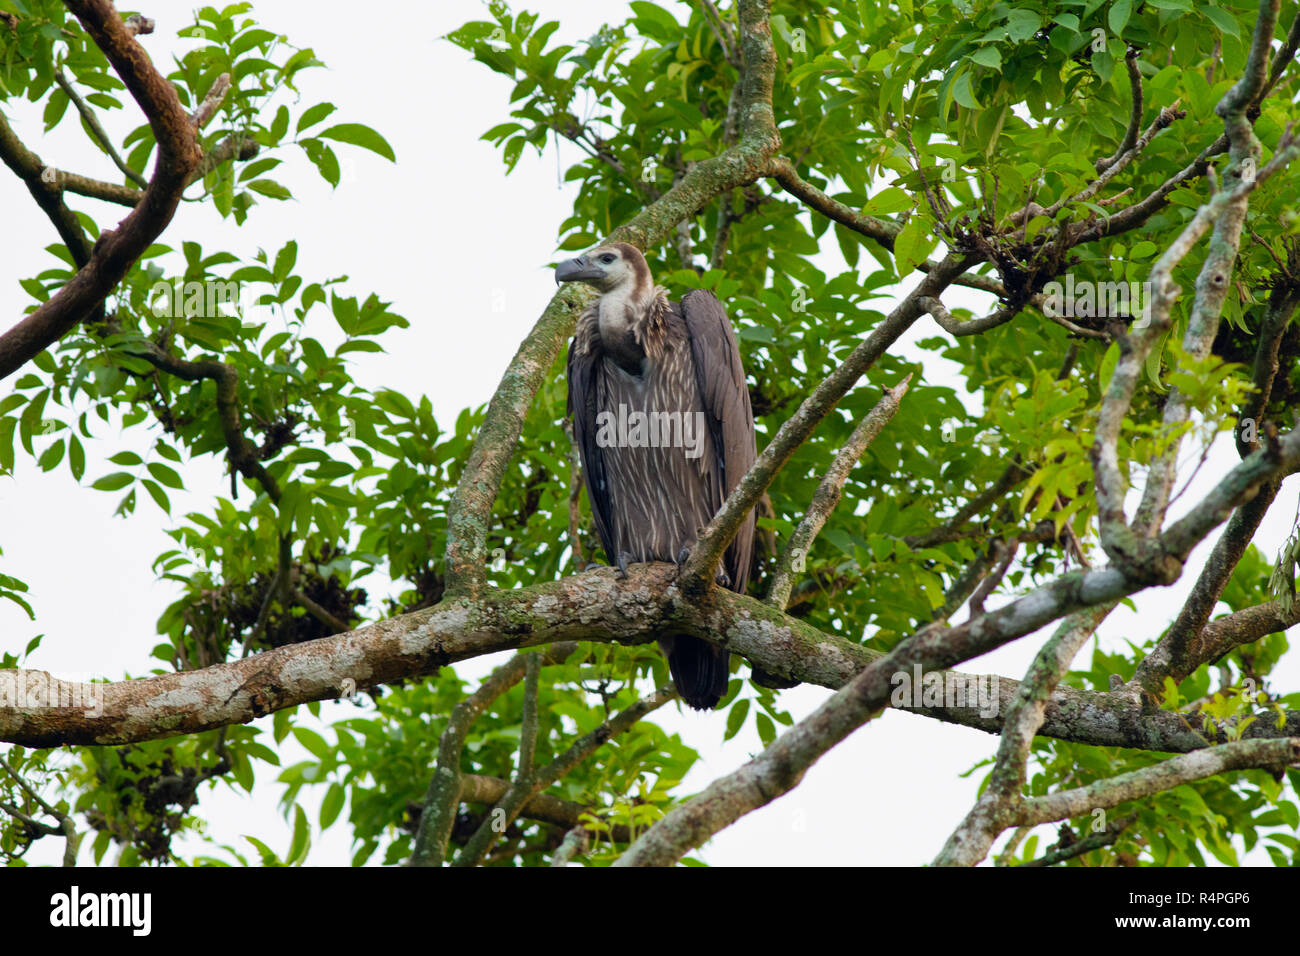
[(700, 670)]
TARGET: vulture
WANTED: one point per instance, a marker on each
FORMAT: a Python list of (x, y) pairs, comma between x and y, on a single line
[(663, 424)]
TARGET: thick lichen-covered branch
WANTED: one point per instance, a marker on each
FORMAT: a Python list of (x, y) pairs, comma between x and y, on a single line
[(595, 606)]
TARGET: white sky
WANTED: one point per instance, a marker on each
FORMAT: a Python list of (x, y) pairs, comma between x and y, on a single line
[(446, 235)]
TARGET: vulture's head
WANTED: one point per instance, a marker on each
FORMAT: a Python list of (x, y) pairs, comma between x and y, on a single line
[(617, 267)]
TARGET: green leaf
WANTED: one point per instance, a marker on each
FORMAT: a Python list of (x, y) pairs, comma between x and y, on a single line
[(265, 852), (1222, 19), (360, 135), (281, 724), (331, 805), (659, 23), (114, 482), (1022, 24), (51, 457), (314, 115), (166, 475), (913, 244), (888, 201), (736, 718), (157, 494), (1117, 16), (314, 743), (269, 187), (962, 93), (301, 838)]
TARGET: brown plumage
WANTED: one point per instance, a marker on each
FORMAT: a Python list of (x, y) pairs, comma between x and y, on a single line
[(663, 423)]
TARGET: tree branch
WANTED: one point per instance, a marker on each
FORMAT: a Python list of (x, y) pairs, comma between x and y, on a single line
[(722, 30), (116, 249), (697, 574), (829, 490), (1135, 114), (1274, 755), (1123, 544), (512, 803), (971, 841), (782, 765), (439, 813), (594, 606), (882, 230), (1094, 841), (1170, 658), (245, 457), (956, 328), (544, 808), (521, 793), (29, 167), (100, 135)]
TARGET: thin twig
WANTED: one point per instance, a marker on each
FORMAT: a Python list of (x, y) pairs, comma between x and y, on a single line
[(97, 129), (829, 490)]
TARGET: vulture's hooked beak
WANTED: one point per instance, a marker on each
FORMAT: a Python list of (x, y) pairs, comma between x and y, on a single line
[(576, 270)]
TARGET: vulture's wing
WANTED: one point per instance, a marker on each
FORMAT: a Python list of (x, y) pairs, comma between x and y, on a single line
[(582, 409), (721, 379)]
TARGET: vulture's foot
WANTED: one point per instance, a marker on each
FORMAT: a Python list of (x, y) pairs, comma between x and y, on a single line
[(722, 577), (591, 564), (623, 560)]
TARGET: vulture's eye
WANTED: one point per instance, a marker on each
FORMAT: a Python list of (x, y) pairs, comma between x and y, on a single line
[(607, 259)]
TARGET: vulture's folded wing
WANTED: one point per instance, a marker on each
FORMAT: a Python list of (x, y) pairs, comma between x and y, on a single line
[(582, 410), (720, 376)]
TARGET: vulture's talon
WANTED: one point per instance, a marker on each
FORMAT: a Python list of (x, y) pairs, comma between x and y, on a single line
[(682, 557), (623, 559), (724, 579), (591, 564)]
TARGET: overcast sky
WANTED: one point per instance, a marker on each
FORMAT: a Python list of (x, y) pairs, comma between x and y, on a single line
[(448, 238)]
